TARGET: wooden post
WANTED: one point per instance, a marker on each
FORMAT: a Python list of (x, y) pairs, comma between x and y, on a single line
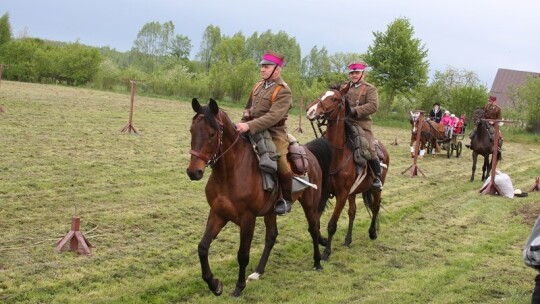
[(1, 69), (299, 129), (414, 167), (536, 186), (129, 127), (77, 241)]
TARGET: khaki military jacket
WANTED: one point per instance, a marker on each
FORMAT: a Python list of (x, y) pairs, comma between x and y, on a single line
[(268, 115), (365, 100), (492, 111)]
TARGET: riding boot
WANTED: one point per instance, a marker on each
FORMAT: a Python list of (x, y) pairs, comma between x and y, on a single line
[(283, 205), (376, 167)]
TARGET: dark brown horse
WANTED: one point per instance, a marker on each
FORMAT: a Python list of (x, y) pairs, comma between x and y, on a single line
[(429, 134), (482, 144), (332, 107), (235, 190)]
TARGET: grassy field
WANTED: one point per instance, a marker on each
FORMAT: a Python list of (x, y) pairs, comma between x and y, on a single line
[(62, 154)]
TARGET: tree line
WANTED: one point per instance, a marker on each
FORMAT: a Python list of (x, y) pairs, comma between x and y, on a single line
[(226, 67)]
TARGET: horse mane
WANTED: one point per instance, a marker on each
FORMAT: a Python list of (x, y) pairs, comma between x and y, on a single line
[(335, 86)]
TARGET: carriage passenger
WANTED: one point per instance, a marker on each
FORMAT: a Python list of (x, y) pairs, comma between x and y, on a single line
[(458, 129), (363, 99), (267, 109), (447, 121), (436, 114)]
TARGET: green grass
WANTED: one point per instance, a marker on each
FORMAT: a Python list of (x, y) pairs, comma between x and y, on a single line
[(62, 154)]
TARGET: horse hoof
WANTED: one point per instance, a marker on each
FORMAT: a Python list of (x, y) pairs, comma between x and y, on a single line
[(318, 268), (325, 257), (253, 277), (219, 288), (373, 235)]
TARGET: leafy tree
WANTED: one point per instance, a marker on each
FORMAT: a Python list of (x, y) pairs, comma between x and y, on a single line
[(316, 65), (20, 55), (527, 99), (397, 60), (180, 47), (458, 91), (5, 29), (78, 64), (211, 38), (340, 61), (155, 42)]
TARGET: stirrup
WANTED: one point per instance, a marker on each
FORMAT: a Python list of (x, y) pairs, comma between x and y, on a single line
[(282, 207), (377, 184)]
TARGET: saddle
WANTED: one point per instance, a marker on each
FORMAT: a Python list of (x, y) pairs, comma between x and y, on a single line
[(297, 156)]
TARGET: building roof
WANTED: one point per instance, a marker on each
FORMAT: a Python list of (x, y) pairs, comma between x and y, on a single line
[(504, 79)]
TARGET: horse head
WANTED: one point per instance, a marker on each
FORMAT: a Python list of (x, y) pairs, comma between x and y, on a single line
[(478, 114), (207, 137), (330, 105), (414, 121)]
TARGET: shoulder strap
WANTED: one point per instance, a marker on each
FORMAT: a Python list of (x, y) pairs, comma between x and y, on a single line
[(276, 91), (363, 89)]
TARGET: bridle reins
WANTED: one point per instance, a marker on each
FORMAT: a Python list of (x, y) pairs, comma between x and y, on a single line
[(212, 160)]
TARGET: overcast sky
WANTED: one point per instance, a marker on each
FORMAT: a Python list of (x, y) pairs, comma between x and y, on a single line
[(474, 35)]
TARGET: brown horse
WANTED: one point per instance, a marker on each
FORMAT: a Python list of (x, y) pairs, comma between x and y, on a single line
[(429, 134), (482, 144), (235, 192), (333, 108)]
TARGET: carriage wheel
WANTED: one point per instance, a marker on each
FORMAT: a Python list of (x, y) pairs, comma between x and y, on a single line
[(458, 149), (449, 149)]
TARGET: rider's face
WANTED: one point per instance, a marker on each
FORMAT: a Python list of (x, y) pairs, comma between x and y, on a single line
[(266, 71)]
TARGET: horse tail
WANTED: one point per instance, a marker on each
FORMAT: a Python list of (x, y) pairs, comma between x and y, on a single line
[(321, 148)]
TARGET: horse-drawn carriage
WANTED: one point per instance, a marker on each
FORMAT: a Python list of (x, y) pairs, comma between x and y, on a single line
[(452, 144), (432, 136)]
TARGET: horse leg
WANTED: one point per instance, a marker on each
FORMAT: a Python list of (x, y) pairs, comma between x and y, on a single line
[(352, 216), (269, 241), (486, 168), (312, 215), (332, 225), (373, 201), (213, 227), (474, 159), (247, 228)]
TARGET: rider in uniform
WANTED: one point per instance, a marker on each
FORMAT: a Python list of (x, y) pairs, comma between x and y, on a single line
[(491, 111), (363, 99), (267, 109)]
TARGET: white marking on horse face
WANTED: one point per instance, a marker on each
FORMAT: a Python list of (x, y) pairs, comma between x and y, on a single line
[(313, 109), (327, 94)]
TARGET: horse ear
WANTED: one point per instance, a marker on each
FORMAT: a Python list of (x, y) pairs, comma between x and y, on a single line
[(213, 106), (196, 106)]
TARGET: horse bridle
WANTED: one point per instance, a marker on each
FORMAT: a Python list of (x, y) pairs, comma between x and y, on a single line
[(327, 114), (212, 160)]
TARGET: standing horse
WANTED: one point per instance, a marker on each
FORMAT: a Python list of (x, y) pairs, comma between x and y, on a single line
[(234, 190), (482, 144), (333, 107)]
